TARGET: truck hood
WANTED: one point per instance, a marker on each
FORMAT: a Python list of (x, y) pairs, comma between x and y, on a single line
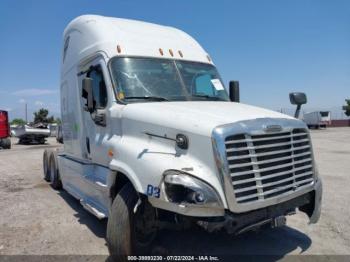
[(199, 117)]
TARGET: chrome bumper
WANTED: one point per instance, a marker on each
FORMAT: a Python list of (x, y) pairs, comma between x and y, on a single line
[(313, 210), (316, 212)]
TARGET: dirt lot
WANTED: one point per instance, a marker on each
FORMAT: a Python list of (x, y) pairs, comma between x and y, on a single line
[(35, 219)]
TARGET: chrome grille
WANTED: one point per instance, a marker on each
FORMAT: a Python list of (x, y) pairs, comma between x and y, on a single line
[(267, 165)]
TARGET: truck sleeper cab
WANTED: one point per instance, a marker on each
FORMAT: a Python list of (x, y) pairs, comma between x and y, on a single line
[(150, 135)]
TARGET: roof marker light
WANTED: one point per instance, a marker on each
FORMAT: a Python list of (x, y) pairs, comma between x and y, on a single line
[(171, 52), (180, 53), (110, 153), (161, 51), (119, 49)]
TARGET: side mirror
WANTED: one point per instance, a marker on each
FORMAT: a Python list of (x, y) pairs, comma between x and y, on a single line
[(87, 93), (234, 91), (298, 99)]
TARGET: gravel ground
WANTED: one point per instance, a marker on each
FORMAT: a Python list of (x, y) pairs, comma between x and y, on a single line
[(37, 220)]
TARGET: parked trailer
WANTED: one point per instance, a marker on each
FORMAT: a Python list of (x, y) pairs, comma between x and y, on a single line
[(317, 119), (151, 136), (32, 134), (53, 129), (5, 132)]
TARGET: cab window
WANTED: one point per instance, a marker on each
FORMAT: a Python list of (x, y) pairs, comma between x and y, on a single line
[(204, 86), (98, 88)]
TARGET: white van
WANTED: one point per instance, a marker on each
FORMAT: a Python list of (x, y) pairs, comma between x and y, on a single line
[(152, 136)]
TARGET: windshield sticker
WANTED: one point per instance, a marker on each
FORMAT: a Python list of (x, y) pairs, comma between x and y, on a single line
[(217, 84)]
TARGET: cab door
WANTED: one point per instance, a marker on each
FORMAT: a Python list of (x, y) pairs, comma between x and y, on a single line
[(96, 135), (96, 123)]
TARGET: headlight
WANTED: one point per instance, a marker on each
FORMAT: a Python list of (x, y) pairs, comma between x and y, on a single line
[(182, 188)]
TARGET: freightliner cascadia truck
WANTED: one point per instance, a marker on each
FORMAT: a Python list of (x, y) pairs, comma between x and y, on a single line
[(153, 138)]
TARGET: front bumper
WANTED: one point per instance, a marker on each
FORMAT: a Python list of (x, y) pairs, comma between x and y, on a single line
[(233, 223), (309, 202), (313, 209)]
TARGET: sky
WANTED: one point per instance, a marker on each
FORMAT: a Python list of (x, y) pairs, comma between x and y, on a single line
[(272, 47)]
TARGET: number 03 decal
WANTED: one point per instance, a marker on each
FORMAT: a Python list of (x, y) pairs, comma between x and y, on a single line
[(153, 191)]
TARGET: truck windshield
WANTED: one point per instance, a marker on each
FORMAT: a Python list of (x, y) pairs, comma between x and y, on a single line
[(154, 79)]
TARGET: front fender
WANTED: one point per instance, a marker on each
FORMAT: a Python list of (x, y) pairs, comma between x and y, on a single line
[(119, 166), (143, 159)]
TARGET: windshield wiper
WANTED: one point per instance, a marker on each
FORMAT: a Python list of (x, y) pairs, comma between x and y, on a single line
[(154, 98), (207, 96)]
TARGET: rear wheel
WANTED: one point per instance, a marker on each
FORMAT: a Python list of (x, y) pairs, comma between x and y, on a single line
[(130, 232), (23, 141), (55, 179), (9, 143), (46, 165), (6, 143)]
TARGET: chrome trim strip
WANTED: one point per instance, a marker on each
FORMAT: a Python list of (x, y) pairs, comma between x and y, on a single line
[(271, 168), (267, 153), (273, 184), (272, 176), (270, 160), (275, 190), (230, 142), (267, 146)]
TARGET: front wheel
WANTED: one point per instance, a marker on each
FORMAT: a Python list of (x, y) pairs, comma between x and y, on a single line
[(131, 227)]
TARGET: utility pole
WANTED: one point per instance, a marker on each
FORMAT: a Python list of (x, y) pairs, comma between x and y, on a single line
[(26, 113)]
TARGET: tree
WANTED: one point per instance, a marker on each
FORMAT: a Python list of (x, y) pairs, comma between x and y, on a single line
[(346, 108), (42, 116), (18, 122)]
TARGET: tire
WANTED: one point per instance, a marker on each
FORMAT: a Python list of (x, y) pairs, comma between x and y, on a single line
[(46, 165), (55, 179), (23, 141), (6, 143), (9, 143), (122, 236)]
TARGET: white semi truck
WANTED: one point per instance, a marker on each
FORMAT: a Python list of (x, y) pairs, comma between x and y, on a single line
[(317, 119), (152, 138)]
